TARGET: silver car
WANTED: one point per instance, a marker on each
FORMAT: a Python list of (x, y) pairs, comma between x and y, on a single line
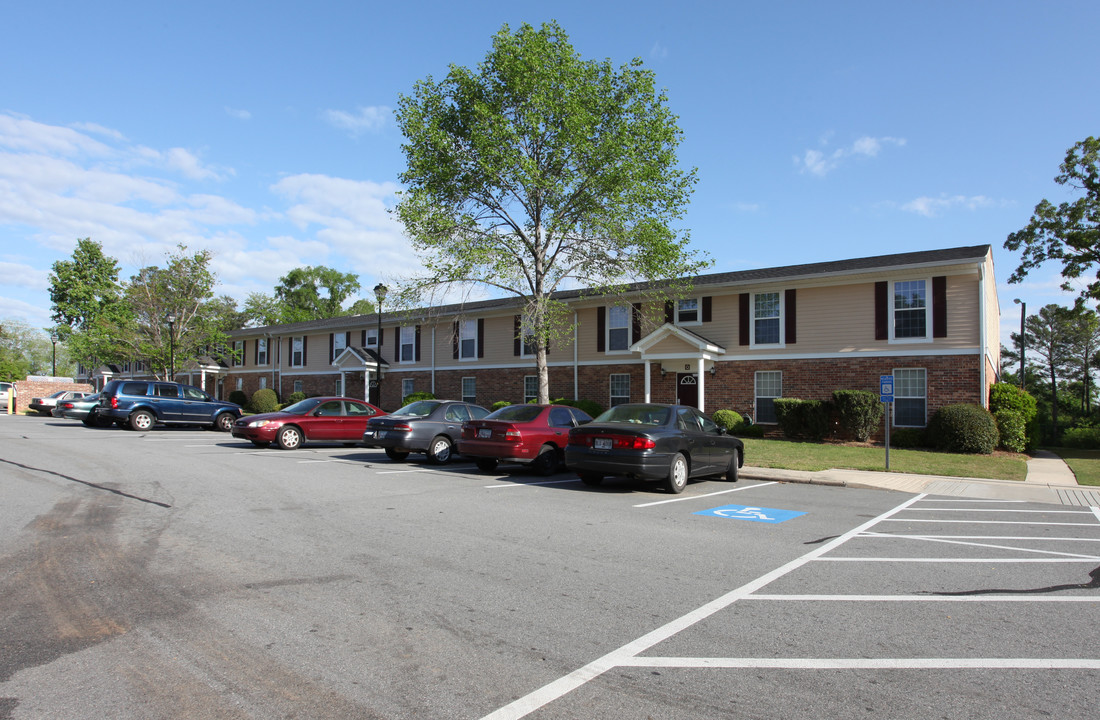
[(432, 427)]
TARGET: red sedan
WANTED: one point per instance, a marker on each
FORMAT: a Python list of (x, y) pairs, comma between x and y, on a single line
[(534, 435), (320, 419)]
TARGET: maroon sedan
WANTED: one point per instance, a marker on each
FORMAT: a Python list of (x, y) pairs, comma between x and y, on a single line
[(316, 419), (534, 435)]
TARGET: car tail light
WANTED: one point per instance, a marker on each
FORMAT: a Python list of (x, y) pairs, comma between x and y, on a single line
[(114, 402), (402, 427), (618, 442), (512, 435)]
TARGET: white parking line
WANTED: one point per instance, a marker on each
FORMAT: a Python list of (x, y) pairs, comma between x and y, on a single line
[(530, 484), (706, 495), (870, 663), (928, 598)]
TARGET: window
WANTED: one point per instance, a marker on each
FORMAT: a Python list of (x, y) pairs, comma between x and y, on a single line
[(372, 338), (297, 351), (167, 391), (618, 328), (910, 401), (408, 387), (469, 389), (339, 343), (240, 383), (338, 386), (528, 346), (620, 389), (530, 388), (263, 382), (687, 311), (297, 386), (408, 344), (910, 309), (261, 351), (238, 352), (769, 386), (765, 321), (561, 417), (467, 340)]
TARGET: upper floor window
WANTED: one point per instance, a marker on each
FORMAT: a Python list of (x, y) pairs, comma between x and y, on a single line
[(238, 352), (261, 351), (298, 351), (339, 343), (467, 340), (910, 309), (687, 311), (408, 343), (766, 309), (371, 338), (618, 328)]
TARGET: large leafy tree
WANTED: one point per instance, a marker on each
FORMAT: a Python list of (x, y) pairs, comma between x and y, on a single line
[(1069, 232), (1050, 335), (307, 293), (87, 301), (539, 171)]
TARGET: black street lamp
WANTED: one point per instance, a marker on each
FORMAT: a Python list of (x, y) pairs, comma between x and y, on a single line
[(171, 347), (380, 292), (1023, 338), (53, 339)]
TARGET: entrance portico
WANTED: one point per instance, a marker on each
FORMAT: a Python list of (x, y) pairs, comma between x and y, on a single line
[(678, 350), (362, 360)]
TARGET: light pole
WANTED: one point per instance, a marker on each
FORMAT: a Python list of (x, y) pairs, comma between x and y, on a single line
[(53, 339), (380, 292), (1023, 338), (171, 347)]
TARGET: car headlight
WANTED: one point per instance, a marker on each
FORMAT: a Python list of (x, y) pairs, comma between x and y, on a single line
[(258, 423)]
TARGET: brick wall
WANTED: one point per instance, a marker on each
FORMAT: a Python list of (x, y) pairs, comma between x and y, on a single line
[(27, 390)]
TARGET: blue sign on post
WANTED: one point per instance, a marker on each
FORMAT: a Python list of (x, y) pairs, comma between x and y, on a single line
[(886, 388), (752, 514)]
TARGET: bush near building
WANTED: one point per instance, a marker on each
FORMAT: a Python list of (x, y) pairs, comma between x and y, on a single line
[(803, 419), (238, 397), (963, 428), (859, 412), (1003, 396), (264, 400)]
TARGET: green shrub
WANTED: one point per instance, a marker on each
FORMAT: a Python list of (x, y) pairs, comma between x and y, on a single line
[(264, 400), (1013, 430), (238, 397), (295, 397), (860, 412), (1082, 438), (802, 419), (963, 428), (589, 406), (905, 438), (500, 404), (748, 430), (415, 396), (1003, 396), (727, 419)]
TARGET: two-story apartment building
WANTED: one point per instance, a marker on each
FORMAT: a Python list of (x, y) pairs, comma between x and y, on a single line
[(737, 341)]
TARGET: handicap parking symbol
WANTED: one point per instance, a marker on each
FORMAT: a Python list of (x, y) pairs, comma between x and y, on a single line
[(750, 513)]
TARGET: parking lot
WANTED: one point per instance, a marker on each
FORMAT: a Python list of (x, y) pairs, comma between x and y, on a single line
[(181, 573)]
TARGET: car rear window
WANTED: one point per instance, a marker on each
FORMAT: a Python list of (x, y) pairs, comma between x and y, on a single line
[(134, 388), (516, 413)]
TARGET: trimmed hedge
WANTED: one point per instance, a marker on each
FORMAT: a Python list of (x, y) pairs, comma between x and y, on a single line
[(802, 419), (860, 412), (963, 428), (264, 400), (419, 395), (499, 404), (1013, 430), (1082, 438), (1003, 396), (238, 397), (904, 438), (589, 406), (296, 397), (727, 419)]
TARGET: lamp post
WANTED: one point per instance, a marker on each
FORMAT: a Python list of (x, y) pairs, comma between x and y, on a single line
[(380, 292), (53, 339), (1023, 338), (171, 347)]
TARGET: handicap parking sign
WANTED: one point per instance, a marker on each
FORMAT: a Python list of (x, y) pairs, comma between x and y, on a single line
[(750, 513)]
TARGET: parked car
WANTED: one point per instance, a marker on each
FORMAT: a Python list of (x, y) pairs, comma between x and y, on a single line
[(425, 426), (335, 419), (45, 405), (670, 443), (75, 408), (141, 404), (534, 435), (6, 389)]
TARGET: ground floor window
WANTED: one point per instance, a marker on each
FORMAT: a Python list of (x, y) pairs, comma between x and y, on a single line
[(910, 397), (620, 389), (297, 386), (530, 388), (240, 383), (339, 386), (408, 387), (469, 389), (263, 383), (769, 386)]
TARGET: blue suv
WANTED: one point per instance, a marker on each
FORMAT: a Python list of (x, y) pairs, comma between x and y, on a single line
[(141, 404)]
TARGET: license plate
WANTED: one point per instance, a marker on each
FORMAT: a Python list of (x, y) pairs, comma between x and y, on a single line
[(602, 443), (484, 433)]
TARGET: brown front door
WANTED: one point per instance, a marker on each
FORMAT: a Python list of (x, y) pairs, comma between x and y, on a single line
[(687, 389)]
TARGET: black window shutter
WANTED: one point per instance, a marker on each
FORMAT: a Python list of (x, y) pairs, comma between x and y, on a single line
[(454, 340), (305, 344), (347, 339), (601, 328), (636, 323), (882, 310), (670, 312), (789, 321), (331, 346), (363, 338), (397, 343), (706, 308), (481, 337), (939, 306), (743, 319), (255, 351), (417, 344), (517, 340)]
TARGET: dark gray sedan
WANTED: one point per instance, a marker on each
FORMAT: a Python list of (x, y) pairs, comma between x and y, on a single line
[(669, 443), (431, 427)]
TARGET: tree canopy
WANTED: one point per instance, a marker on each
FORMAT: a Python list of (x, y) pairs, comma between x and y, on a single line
[(307, 293), (540, 170), (1070, 231)]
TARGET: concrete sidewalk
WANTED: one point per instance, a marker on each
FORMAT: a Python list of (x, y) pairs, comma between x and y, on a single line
[(1049, 480)]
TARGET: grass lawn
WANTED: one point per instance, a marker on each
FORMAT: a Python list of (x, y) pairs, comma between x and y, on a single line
[(823, 456), (1085, 464)]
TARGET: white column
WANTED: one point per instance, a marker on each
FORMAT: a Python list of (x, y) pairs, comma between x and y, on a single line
[(647, 381), (702, 393)]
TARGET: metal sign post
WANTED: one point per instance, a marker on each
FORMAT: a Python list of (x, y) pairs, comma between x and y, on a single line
[(886, 395)]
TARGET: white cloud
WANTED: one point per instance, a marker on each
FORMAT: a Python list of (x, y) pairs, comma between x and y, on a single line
[(817, 162), (364, 119), (658, 51), (933, 206), (238, 114)]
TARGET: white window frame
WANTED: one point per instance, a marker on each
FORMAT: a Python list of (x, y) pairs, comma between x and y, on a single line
[(698, 310), (263, 382), (530, 388), (627, 322), (906, 386), (408, 340), (372, 338), (408, 387), (764, 383), (527, 346), (927, 311), (240, 384), (467, 340), (779, 320), (297, 386), (238, 353), (469, 389), (339, 344), (297, 356), (261, 351), (620, 378)]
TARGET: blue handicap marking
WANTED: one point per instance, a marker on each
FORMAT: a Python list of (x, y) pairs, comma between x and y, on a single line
[(753, 514)]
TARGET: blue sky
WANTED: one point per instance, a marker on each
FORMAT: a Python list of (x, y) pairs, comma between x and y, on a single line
[(264, 130)]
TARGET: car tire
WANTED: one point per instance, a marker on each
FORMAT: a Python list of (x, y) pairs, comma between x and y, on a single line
[(440, 450), (289, 437), (396, 455), (591, 479), (735, 464), (261, 443), (224, 422), (142, 420), (487, 464), (548, 461), (677, 478)]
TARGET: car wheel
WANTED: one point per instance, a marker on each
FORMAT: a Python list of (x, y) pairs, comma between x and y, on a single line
[(677, 478), (735, 460), (548, 461), (486, 464), (440, 450), (142, 420), (289, 438), (224, 422), (91, 420), (592, 479), (396, 455), (261, 443)]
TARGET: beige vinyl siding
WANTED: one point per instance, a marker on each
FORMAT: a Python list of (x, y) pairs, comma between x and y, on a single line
[(838, 318)]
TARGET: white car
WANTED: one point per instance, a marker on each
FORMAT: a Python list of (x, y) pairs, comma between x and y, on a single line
[(46, 405), (5, 388)]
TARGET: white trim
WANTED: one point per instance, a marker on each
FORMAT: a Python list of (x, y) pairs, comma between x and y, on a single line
[(892, 317), (781, 320)]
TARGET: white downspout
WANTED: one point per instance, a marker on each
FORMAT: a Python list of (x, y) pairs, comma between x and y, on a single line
[(576, 377), (982, 336)]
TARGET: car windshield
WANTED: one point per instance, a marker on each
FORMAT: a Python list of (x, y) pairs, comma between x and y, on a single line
[(59, 393), (302, 406), (516, 413), (420, 408), (637, 414)]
